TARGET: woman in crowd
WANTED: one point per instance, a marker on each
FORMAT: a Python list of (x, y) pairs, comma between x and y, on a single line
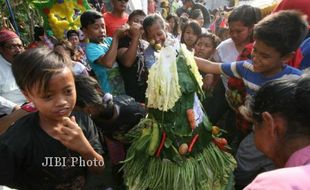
[(281, 111)]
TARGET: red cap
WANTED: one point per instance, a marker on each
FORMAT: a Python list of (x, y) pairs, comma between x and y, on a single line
[(6, 35)]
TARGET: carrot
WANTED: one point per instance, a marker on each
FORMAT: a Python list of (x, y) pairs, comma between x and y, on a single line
[(191, 118), (162, 142), (193, 141)]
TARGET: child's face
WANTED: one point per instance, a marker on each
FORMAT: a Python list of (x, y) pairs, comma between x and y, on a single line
[(267, 60), (239, 33), (156, 32), (171, 23), (96, 32), (200, 20), (204, 48), (136, 19), (74, 39), (59, 99), (190, 37)]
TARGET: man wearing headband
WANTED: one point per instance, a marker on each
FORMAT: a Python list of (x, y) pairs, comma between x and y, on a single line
[(10, 96)]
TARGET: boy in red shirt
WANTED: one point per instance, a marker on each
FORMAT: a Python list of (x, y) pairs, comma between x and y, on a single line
[(117, 17)]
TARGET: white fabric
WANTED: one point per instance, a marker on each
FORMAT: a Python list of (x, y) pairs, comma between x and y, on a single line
[(78, 68), (10, 95), (137, 4), (226, 52)]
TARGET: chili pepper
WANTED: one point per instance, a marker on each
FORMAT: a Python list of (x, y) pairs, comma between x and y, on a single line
[(162, 142), (191, 145)]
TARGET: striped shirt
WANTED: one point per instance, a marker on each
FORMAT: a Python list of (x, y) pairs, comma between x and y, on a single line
[(253, 80)]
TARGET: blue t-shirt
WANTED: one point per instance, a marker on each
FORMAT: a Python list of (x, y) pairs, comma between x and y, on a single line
[(254, 80), (109, 79), (305, 49)]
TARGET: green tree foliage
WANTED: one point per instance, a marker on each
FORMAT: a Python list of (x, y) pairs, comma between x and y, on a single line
[(26, 17)]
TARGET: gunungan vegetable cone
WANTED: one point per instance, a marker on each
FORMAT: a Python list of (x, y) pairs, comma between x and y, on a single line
[(185, 154)]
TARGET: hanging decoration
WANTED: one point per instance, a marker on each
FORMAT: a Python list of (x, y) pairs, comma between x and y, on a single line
[(175, 146), (61, 16)]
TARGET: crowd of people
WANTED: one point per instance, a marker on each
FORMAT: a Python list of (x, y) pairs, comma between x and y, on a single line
[(72, 100)]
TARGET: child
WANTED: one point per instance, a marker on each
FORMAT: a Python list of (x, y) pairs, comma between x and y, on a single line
[(118, 17), (131, 58), (274, 46), (77, 67), (113, 116), (205, 47), (190, 33), (197, 16), (52, 148), (101, 52), (174, 26), (241, 22), (73, 37)]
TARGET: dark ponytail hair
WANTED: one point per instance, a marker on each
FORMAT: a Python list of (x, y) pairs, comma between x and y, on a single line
[(246, 14), (290, 99)]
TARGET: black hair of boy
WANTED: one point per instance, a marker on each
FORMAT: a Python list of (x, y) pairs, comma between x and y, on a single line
[(151, 19), (247, 14), (137, 12), (89, 17), (284, 30), (72, 33), (37, 66)]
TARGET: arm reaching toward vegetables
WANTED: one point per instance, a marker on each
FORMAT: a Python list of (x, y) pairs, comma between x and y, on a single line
[(207, 66)]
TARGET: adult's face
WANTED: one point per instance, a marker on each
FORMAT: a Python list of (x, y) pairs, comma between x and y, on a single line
[(11, 49)]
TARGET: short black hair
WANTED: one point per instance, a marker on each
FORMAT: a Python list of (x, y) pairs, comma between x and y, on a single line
[(89, 17), (72, 33), (137, 12), (284, 31), (37, 66)]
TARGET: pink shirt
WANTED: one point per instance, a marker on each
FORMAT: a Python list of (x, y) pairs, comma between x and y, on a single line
[(295, 175)]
